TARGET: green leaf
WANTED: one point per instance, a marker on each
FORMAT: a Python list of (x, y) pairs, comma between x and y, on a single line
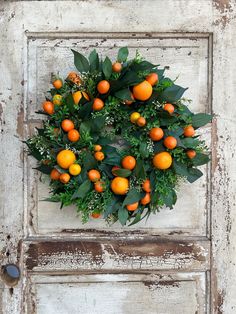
[(201, 119), (89, 161), (180, 168), (170, 198), (139, 170), (124, 173), (130, 78), (94, 61), (193, 174), (97, 123), (123, 94), (85, 127), (112, 207), (200, 159), (122, 54), (173, 93), (112, 160), (85, 110), (80, 62), (123, 215), (70, 103), (142, 66), (107, 68), (133, 196), (189, 142), (44, 169), (83, 189), (143, 150)]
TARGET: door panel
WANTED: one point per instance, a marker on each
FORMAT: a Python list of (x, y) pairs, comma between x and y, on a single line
[(95, 294), (181, 261), (191, 62)]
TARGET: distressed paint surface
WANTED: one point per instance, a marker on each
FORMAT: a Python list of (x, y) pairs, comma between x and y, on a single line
[(18, 228)]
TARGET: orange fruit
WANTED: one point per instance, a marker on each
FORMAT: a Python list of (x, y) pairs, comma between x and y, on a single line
[(64, 178), (191, 153), (116, 67), (169, 107), (129, 102), (94, 175), (73, 135), (128, 162), (57, 83), (141, 121), (74, 169), (134, 117), (170, 142), (99, 186), (55, 174), (162, 160), (189, 131), (67, 125), (77, 96), (132, 207), (96, 215), (65, 158), (98, 104), (114, 168), (142, 91), (99, 156), (156, 134), (97, 148), (146, 199), (152, 78), (57, 99), (48, 107), (120, 186), (146, 186), (74, 77), (103, 87)]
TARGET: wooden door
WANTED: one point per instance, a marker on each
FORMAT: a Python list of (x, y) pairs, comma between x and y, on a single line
[(180, 261)]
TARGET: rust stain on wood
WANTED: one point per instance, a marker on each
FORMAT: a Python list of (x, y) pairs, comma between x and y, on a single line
[(224, 7), (20, 122)]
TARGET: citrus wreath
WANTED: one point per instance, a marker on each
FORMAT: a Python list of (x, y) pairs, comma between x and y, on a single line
[(118, 138)]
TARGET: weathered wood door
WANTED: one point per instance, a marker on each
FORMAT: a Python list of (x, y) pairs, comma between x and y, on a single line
[(181, 261)]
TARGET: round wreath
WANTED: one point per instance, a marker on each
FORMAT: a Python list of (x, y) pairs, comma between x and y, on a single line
[(117, 138)]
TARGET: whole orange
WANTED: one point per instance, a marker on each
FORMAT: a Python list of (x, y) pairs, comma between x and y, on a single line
[(162, 160), (57, 84), (65, 158), (141, 121), (152, 78), (67, 125), (156, 134), (48, 107), (97, 148), (98, 104), (189, 131), (142, 91), (169, 108), (170, 142), (99, 186), (116, 67), (94, 175), (73, 135), (99, 156), (146, 199), (96, 215), (132, 207), (146, 186), (191, 153), (120, 186), (128, 162), (55, 174), (64, 178), (103, 87)]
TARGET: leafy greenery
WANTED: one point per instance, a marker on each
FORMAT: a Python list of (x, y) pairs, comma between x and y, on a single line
[(111, 128)]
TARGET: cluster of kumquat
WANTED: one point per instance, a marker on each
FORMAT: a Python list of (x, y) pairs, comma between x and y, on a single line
[(90, 112)]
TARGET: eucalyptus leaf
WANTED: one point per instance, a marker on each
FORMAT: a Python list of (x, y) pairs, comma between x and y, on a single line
[(193, 174), (123, 215), (172, 93), (94, 61), (133, 196), (124, 173), (107, 68), (201, 119), (122, 54), (83, 189), (85, 110), (123, 94), (200, 159)]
